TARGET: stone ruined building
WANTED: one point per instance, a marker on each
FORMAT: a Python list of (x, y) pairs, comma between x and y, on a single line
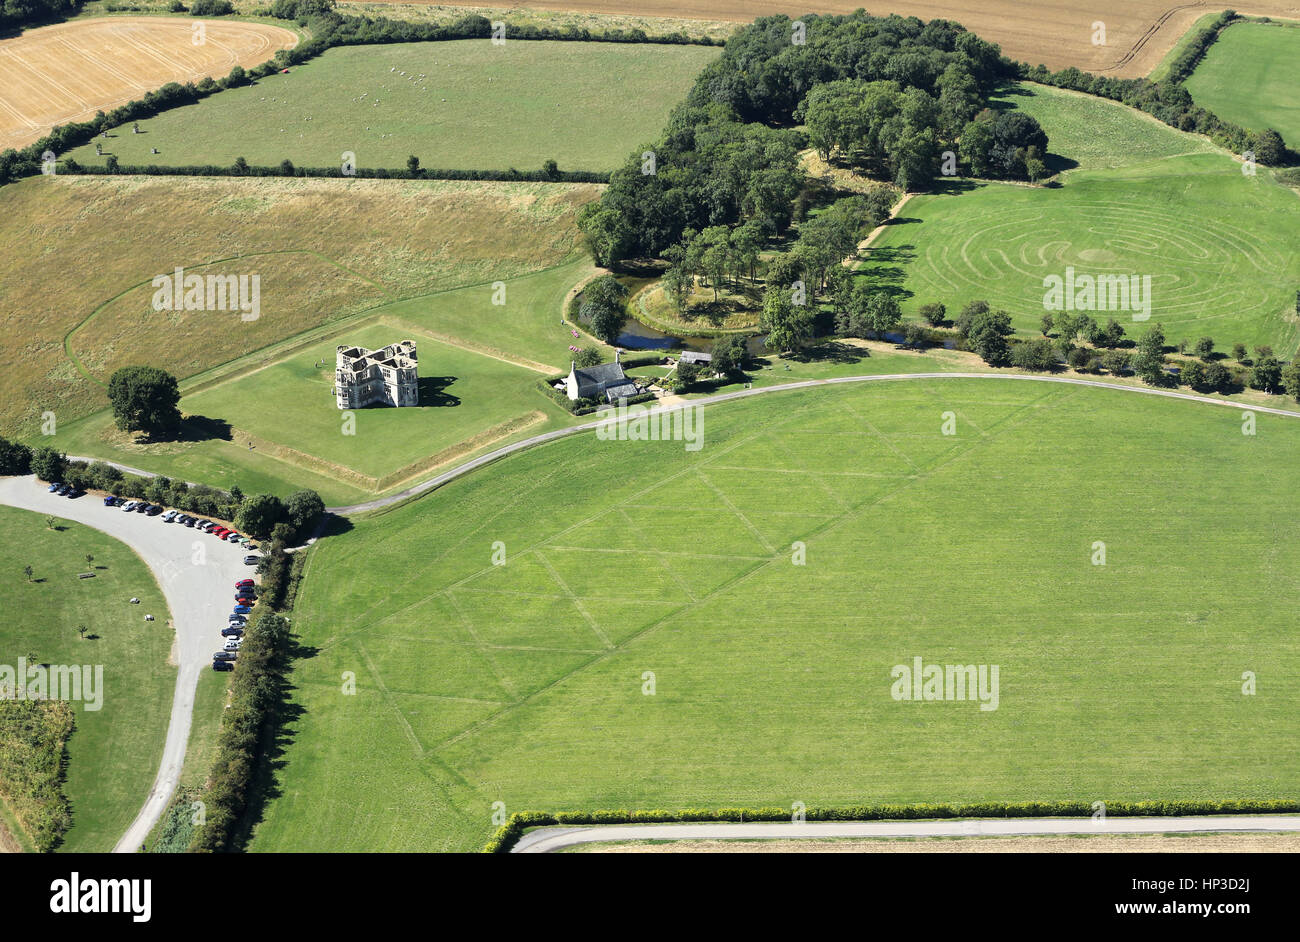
[(384, 377)]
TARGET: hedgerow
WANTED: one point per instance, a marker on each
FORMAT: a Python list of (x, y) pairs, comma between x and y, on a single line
[(33, 737), (327, 29), (509, 834)]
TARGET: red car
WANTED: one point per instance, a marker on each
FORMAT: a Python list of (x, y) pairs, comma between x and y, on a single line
[(243, 582), (221, 532)]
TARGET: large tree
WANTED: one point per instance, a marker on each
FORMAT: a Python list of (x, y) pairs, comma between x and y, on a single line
[(258, 515), (789, 326), (145, 399), (304, 509)]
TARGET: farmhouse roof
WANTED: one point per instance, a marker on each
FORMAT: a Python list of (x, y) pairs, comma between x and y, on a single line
[(602, 374)]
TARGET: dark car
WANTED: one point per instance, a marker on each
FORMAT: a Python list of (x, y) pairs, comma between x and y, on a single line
[(110, 501), (232, 631), (154, 510), (190, 521), (223, 665), (224, 656), (74, 493)]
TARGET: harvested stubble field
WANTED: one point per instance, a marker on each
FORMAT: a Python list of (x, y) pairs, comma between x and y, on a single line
[(67, 72), (1056, 33), (82, 252)]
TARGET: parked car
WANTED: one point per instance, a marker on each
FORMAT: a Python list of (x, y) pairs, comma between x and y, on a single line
[(169, 516), (74, 493), (232, 645), (63, 489), (237, 619), (232, 631), (240, 582), (190, 521), (54, 487), (224, 656), (110, 500), (231, 536), (129, 506), (251, 560), (220, 533), (242, 609), (223, 665), (154, 510)]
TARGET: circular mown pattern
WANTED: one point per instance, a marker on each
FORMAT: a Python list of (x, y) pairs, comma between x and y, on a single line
[(1008, 254)]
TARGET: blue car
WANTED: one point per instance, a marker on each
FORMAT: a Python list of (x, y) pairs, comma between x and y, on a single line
[(242, 609), (110, 501), (54, 487)]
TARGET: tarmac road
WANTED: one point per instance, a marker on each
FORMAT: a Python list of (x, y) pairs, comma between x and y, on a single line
[(543, 840), (197, 573)]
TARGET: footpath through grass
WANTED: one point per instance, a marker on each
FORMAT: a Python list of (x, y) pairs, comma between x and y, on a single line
[(525, 682)]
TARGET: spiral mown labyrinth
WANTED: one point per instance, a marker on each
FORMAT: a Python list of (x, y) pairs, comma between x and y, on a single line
[(1210, 273)]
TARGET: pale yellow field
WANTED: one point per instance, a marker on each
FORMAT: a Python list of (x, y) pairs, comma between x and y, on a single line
[(65, 73)]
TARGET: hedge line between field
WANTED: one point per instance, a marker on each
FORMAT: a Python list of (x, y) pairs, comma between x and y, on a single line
[(368, 173), (509, 834), (329, 29), (1186, 62)]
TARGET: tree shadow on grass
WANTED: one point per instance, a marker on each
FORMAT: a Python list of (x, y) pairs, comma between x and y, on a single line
[(264, 784), (193, 429), (832, 351)]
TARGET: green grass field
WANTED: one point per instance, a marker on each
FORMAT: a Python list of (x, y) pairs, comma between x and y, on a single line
[(1096, 133), (1250, 75), (462, 394), (281, 397), (113, 753), (465, 104), (523, 683), (1219, 246)]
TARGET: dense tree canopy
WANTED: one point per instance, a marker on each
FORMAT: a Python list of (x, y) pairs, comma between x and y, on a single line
[(145, 399), (887, 90)]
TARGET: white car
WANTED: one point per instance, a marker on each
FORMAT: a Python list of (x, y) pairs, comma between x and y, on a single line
[(170, 515), (233, 644), (130, 505)]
